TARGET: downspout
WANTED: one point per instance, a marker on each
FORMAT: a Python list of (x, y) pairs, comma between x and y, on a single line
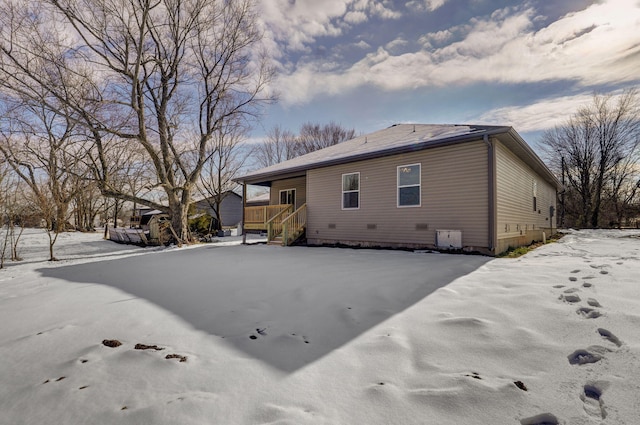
[(244, 205), (491, 183)]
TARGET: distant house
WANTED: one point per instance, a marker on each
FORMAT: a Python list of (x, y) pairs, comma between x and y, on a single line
[(470, 187), (259, 200), (230, 208)]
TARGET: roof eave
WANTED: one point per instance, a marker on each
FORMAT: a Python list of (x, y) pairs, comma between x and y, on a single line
[(269, 176), (533, 159)]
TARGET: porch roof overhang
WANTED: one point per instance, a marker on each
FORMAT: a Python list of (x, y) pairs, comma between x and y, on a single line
[(398, 139)]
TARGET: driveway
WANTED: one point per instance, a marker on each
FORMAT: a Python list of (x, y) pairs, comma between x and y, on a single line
[(285, 306)]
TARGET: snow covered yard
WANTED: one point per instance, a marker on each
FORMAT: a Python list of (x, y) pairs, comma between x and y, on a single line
[(321, 336)]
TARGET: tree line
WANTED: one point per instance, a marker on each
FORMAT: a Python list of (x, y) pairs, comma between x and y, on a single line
[(107, 102), (282, 144), (596, 155), (101, 92)]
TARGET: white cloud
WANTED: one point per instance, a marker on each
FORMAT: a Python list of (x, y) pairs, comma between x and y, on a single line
[(362, 45), (381, 10), (542, 115), (297, 24), (600, 44), (396, 44), (538, 116), (439, 36), (355, 17), (428, 5)]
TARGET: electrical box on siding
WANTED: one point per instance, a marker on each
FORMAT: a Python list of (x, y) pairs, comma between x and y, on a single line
[(449, 239)]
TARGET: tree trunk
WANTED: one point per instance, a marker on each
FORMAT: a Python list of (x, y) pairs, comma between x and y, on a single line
[(180, 222), (218, 215), (116, 210)]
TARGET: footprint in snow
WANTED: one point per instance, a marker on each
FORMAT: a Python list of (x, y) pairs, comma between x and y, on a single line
[(588, 313), (575, 271), (541, 419), (570, 298), (592, 399), (593, 354), (593, 302), (587, 284), (609, 336), (571, 290), (573, 278), (558, 286)]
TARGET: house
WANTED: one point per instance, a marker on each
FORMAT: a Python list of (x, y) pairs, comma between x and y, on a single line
[(259, 200), (471, 187), (230, 208)]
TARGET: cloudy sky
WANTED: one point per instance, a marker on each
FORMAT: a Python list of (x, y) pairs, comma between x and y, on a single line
[(368, 64)]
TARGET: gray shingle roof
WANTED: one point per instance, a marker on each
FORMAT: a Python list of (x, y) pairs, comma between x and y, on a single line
[(395, 139)]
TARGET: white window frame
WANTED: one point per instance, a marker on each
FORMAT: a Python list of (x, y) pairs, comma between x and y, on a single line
[(342, 192), (398, 186), (294, 196)]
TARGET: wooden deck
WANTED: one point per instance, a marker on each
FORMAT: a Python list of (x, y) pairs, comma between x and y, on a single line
[(282, 224), (256, 218)]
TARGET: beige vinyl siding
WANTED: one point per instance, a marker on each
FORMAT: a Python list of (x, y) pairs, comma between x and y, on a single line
[(454, 196), (298, 183), (514, 198)]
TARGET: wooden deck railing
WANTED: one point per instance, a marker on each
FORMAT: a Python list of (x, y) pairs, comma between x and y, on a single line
[(274, 225), (256, 218), (293, 225)]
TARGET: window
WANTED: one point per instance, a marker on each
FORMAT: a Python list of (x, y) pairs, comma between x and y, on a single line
[(409, 185), (351, 191), (535, 195), (288, 196)]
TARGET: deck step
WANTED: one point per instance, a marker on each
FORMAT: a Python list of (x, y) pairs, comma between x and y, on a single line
[(276, 241)]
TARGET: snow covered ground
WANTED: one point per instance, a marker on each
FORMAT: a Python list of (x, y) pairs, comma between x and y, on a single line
[(297, 335)]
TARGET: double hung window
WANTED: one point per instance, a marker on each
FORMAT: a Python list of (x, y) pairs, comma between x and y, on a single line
[(351, 191), (409, 183)]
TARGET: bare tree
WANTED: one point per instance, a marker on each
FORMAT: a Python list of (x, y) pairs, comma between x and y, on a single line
[(623, 187), (87, 204), (572, 151), (592, 149), (617, 130), (39, 146), (143, 71), (282, 145), (224, 163), (9, 215), (314, 137), (279, 146)]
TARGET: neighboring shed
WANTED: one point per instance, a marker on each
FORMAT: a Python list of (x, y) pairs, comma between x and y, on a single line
[(230, 208), (472, 187)]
